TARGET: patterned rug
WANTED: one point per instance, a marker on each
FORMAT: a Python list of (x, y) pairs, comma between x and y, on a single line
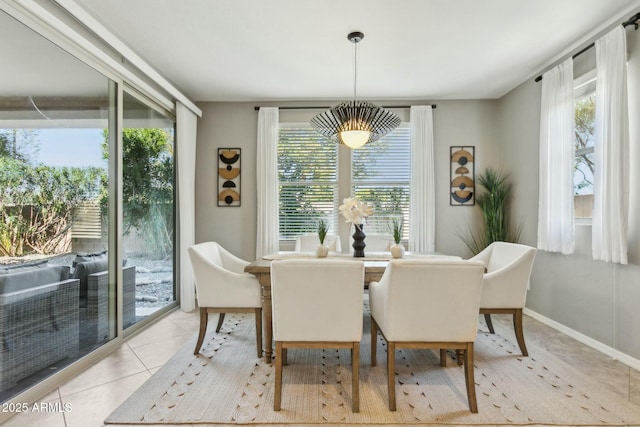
[(228, 384)]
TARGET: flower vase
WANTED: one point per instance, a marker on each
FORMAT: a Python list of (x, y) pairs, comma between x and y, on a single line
[(322, 250), (358, 241), (397, 250)]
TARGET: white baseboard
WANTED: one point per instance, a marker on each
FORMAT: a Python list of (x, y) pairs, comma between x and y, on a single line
[(597, 345)]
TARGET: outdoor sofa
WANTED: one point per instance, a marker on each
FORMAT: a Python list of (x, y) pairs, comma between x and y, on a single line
[(91, 270), (38, 319)]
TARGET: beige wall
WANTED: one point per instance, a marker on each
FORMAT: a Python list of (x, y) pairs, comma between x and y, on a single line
[(226, 125), (461, 123)]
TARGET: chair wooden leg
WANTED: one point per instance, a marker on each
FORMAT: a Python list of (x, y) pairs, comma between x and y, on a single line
[(443, 357), (391, 374), (459, 356), (220, 320), (204, 317), (487, 319), (517, 327), (278, 391), (285, 356), (259, 331), (374, 341), (470, 378), (355, 374)]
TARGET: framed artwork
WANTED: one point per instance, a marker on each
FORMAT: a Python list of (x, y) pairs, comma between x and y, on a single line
[(462, 191), (228, 177)]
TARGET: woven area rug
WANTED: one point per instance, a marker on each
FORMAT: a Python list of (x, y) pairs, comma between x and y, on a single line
[(228, 384)]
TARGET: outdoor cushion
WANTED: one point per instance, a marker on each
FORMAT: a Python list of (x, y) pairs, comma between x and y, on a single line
[(84, 269), (22, 280), (25, 266), (84, 257)]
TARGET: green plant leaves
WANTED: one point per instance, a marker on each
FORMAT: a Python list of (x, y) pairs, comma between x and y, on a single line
[(492, 203)]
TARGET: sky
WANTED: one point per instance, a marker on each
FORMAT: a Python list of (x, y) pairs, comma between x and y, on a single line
[(71, 147)]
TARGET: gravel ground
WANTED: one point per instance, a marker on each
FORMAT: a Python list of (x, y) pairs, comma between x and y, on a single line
[(154, 282)]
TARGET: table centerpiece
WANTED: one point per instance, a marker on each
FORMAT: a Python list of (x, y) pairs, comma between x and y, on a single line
[(355, 212)]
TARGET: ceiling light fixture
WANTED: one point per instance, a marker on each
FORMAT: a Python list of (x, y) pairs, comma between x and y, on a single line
[(355, 123)]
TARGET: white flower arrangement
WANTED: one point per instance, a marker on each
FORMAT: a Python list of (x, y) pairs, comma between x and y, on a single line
[(355, 211)]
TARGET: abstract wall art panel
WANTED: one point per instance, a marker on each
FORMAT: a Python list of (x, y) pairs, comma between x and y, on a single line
[(462, 189), (228, 177)]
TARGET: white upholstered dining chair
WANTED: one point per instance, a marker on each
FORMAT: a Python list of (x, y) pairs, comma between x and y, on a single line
[(222, 287), (309, 242), (377, 243), (317, 303), (504, 290), (427, 304)]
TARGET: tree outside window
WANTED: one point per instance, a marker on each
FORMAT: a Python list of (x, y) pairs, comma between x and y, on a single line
[(37, 201), (583, 169), (308, 181)]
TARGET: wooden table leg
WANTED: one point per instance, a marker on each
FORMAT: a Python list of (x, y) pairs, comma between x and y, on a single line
[(267, 320)]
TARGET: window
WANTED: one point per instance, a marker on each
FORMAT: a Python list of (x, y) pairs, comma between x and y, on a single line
[(308, 181), (585, 111), (310, 188), (380, 175)]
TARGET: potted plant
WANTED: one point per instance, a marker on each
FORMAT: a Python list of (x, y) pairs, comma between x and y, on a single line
[(322, 250), (397, 249), (493, 204)]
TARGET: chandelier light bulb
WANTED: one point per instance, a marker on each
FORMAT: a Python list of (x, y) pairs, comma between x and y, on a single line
[(354, 138)]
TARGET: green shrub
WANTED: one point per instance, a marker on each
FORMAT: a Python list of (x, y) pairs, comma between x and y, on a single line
[(37, 203)]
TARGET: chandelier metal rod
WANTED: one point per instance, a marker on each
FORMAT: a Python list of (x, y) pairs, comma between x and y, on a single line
[(355, 70)]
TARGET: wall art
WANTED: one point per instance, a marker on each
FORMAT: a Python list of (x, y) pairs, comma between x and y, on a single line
[(462, 191), (228, 177)]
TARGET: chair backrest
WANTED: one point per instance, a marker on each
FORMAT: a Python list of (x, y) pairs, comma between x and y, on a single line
[(208, 251), (220, 279), (377, 243), (317, 300), (309, 242), (201, 255), (430, 300), (504, 253), (509, 268)]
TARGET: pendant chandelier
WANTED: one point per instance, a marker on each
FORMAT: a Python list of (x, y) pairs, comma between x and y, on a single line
[(355, 123)]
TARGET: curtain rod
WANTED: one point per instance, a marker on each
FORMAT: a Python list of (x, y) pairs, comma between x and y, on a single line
[(631, 21), (256, 108)]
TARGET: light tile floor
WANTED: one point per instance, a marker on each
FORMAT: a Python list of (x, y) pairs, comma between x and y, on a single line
[(95, 393)]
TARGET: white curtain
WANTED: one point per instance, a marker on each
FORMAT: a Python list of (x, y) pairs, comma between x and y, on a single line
[(611, 151), (267, 185), (555, 204), (186, 125), (422, 211)]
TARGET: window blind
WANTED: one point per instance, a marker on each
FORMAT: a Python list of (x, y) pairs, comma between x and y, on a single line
[(380, 175), (308, 181)]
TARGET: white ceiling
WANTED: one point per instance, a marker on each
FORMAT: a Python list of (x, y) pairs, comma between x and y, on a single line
[(258, 50)]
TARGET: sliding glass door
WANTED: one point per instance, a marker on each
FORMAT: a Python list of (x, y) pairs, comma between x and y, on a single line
[(87, 202), (56, 295), (148, 205)]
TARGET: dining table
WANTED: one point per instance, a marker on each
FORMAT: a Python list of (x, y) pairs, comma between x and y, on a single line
[(374, 266)]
